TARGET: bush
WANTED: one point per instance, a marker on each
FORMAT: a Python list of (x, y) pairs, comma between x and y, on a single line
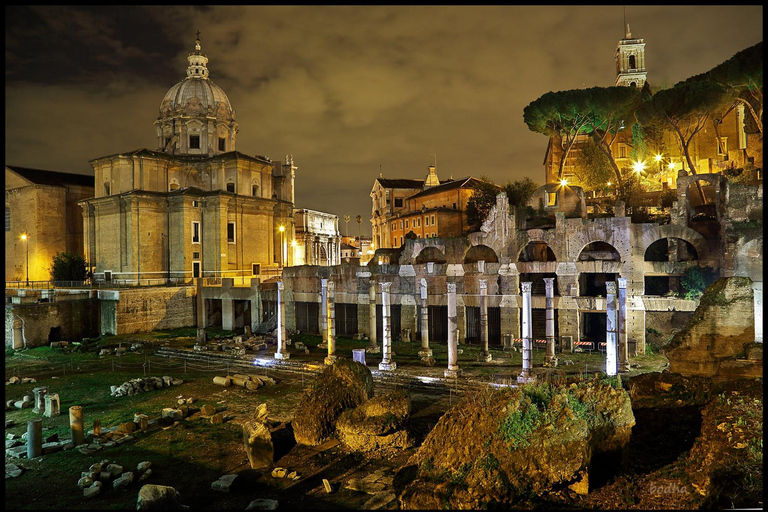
[(695, 281), (68, 266)]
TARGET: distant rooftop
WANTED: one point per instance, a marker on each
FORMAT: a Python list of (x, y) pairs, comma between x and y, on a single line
[(55, 178)]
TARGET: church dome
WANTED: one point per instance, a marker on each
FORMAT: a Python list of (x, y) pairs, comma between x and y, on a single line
[(196, 117)]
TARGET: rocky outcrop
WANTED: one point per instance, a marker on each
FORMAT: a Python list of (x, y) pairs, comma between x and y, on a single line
[(715, 341), (376, 424), (497, 447), (343, 385)]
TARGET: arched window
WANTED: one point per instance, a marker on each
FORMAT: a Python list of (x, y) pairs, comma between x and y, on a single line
[(230, 186), (632, 62)]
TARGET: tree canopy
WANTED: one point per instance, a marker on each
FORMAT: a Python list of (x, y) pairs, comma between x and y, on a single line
[(483, 198), (68, 266)]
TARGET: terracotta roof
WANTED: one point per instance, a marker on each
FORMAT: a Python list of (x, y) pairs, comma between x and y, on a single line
[(54, 178), (468, 182), (400, 183)]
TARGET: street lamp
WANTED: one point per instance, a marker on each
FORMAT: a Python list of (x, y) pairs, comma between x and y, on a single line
[(282, 242), (24, 237)]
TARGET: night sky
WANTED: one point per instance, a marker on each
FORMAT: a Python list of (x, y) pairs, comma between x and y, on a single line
[(347, 90)]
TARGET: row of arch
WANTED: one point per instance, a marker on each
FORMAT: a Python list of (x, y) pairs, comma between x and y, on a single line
[(662, 249)]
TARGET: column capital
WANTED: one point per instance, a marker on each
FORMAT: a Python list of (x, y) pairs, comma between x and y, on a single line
[(385, 286), (280, 285), (451, 287), (610, 287), (549, 284), (622, 282), (483, 285), (525, 287)]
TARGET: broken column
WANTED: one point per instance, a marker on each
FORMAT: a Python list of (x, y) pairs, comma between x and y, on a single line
[(34, 438), (425, 350), (453, 370), (282, 351), (621, 321), (485, 355), (323, 313), (52, 405), (40, 393), (550, 359), (386, 344), (611, 367), (527, 334), (373, 347), (331, 358), (76, 425)]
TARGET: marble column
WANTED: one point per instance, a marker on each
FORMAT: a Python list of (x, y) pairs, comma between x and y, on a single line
[(386, 363), (550, 359), (621, 321), (34, 438), (485, 355), (453, 370), (527, 334), (425, 350), (331, 357), (611, 366), (76, 428), (282, 351), (373, 347), (324, 313)]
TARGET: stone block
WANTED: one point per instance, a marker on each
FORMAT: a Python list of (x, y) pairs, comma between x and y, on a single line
[(258, 444), (90, 492), (123, 481), (327, 486), (84, 482), (208, 410), (224, 483), (143, 466), (262, 504), (217, 418), (158, 497)]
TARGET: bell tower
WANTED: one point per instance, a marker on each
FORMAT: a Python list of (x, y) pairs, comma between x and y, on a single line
[(630, 61)]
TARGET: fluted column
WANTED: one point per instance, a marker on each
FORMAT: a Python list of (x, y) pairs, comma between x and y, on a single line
[(453, 343), (386, 363), (527, 333), (611, 366), (550, 359), (485, 355), (331, 358), (425, 350), (282, 351), (621, 320), (323, 313)]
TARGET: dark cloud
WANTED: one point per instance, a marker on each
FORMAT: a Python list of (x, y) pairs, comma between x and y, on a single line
[(347, 90)]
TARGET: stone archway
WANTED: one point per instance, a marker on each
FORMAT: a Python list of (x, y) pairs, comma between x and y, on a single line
[(432, 254), (481, 253)]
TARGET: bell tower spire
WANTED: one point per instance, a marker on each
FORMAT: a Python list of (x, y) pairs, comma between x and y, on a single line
[(630, 60)]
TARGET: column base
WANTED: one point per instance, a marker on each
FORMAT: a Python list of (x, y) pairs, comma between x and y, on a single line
[(373, 349), (387, 367), (282, 355), (452, 373), (329, 360), (484, 357), (525, 378), (425, 352)]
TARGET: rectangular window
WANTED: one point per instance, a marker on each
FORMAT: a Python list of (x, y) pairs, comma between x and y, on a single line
[(195, 269), (106, 188), (418, 223), (398, 202), (222, 144), (722, 147), (195, 255), (230, 232), (7, 219), (255, 269), (406, 224), (230, 187), (195, 232), (454, 206), (194, 142), (401, 240), (254, 190), (551, 198), (401, 224), (622, 151), (195, 204), (433, 220)]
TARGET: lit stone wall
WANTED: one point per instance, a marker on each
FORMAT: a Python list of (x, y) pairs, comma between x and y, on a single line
[(147, 309)]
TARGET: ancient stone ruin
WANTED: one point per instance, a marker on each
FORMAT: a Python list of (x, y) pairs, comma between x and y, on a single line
[(342, 385), (497, 447), (376, 424), (141, 385)]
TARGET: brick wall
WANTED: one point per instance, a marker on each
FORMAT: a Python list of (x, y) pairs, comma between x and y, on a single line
[(148, 309)]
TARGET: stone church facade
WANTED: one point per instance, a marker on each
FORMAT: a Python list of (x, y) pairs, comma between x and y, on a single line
[(194, 207)]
